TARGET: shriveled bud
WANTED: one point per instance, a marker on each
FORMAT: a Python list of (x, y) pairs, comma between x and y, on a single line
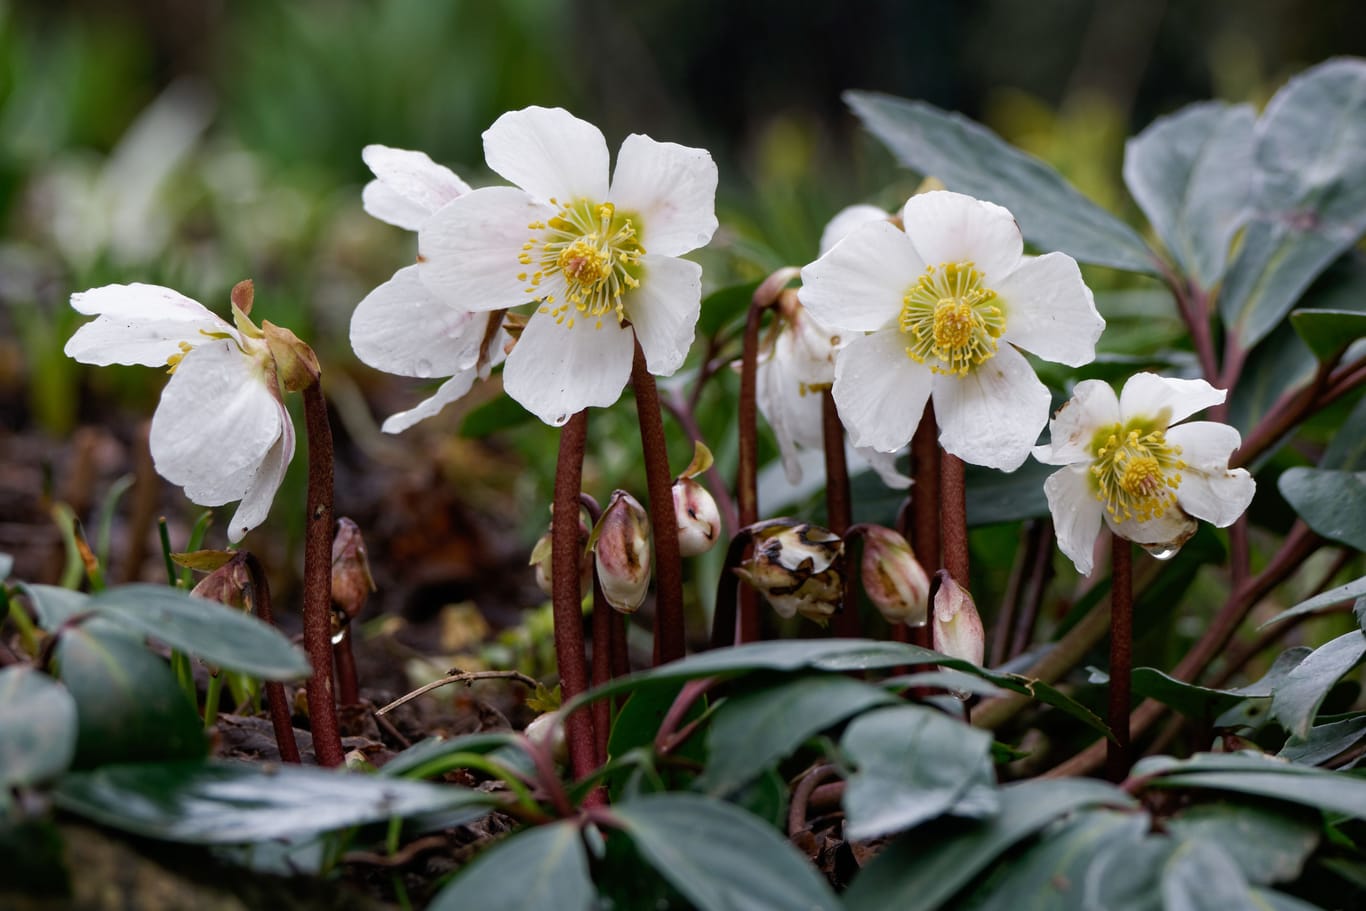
[(958, 629), (797, 567), (624, 552), (699, 521), (351, 579), (540, 558), (298, 365), (227, 584), (895, 581)]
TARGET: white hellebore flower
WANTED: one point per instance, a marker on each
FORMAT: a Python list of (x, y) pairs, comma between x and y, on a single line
[(945, 304), (401, 327), (221, 431), (1126, 463), (600, 258)]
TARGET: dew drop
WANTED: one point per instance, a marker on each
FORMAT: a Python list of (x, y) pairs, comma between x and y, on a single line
[(1161, 551), (339, 636), (424, 368)]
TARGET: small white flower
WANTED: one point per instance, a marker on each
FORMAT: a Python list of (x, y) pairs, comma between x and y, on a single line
[(945, 304), (1126, 463), (400, 327), (221, 431), (600, 258)]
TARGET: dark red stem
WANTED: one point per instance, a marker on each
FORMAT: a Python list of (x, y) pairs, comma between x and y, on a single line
[(348, 691), (839, 511), (924, 530), (953, 517), (566, 599), (322, 709), (280, 719), (1117, 756)]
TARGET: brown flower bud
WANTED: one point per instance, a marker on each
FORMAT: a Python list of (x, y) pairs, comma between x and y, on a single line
[(958, 629), (296, 362), (699, 521), (623, 549), (351, 579), (895, 581), (797, 567), (227, 584), (540, 558)]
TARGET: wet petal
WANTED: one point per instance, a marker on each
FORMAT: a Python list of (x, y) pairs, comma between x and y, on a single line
[(401, 328), (138, 324), (879, 391), (1076, 514), (469, 248), (1145, 395), (949, 227), (550, 153), (409, 186), (791, 409), (1049, 310), (556, 372), (1209, 489), (664, 311), (264, 483), (992, 416), (673, 190), (861, 283), (1167, 532), (1093, 405), (449, 391), (884, 463)]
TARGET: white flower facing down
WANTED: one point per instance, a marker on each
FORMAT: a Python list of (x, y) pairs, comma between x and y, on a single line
[(945, 303), (221, 431), (1125, 463), (600, 257), (401, 327)]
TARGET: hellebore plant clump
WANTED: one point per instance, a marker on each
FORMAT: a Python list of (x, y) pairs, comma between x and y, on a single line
[(913, 724)]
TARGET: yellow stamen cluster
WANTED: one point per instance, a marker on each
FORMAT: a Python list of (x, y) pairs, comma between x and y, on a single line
[(174, 360), (952, 319), (595, 249), (1136, 473)]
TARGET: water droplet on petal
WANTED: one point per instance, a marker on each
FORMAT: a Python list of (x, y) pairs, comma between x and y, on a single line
[(338, 636), (1161, 551), (424, 368)]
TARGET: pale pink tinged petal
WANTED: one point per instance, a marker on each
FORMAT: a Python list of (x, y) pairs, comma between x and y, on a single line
[(861, 284), (673, 190), (401, 328), (1209, 490), (1049, 310), (138, 324), (550, 153), (1093, 405), (664, 311), (952, 228), (142, 302), (380, 201), (884, 463), (1146, 395), (264, 484), (879, 391), (556, 372), (1167, 532), (449, 391), (216, 419), (470, 248), (846, 220), (992, 416), (1076, 514), (408, 177)]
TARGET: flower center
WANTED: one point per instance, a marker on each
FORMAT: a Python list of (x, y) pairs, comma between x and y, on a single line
[(952, 319), (1136, 473), (595, 249)]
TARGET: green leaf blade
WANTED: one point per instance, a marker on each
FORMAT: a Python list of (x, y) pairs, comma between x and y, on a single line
[(540, 869), (37, 727)]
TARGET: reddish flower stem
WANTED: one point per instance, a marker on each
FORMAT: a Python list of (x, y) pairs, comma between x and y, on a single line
[(839, 511), (953, 518), (322, 710), (602, 642), (566, 599), (1118, 749), (670, 635), (724, 631), (280, 721), (924, 530), (348, 691)]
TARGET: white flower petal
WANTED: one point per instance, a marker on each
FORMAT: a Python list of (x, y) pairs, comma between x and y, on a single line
[(949, 227), (1076, 514), (216, 420), (1209, 489), (992, 416), (1049, 310), (846, 220), (556, 372), (264, 483), (401, 328), (1093, 405), (469, 248), (410, 186), (884, 463), (550, 153), (449, 391), (791, 410), (879, 391), (1146, 395), (664, 311), (138, 324), (861, 283), (1167, 532), (672, 188)]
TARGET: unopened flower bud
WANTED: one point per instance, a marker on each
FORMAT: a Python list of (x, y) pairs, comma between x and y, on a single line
[(351, 579), (895, 581), (958, 629), (547, 731), (797, 567), (699, 521), (540, 558), (227, 584), (298, 365), (624, 552)]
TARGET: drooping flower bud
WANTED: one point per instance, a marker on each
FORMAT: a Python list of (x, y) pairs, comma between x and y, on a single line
[(624, 552), (895, 581), (699, 521), (227, 584), (540, 558), (297, 363), (351, 579), (797, 567), (958, 629), (547, 731)]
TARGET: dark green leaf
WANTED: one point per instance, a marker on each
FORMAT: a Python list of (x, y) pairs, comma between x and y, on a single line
[(1280, 669), (1328, 332), (37, 727), (1193, 701), (943, 679), (1271, 900), (720, 857), (1201, 876), (926, 867), (724, 306), (1295, 702), (995, 496), (128, 704), (1325, 741), (500, 413), (913, 764), (753, 730), (766, 797), (1347, 449), (237, 803), (971, 159), (1191, 174), (1333, 503), (53, 605), (1343, 593), (1309, 195), (425, 758), (1261, 776), (540, 869), (203, 629), (1268, 845)]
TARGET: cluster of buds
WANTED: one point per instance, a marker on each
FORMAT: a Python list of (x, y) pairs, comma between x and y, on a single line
[(797, 567)]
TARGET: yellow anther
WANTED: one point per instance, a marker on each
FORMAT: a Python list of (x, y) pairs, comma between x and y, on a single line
[(594, 249), (951, 319), (1138, 478)]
